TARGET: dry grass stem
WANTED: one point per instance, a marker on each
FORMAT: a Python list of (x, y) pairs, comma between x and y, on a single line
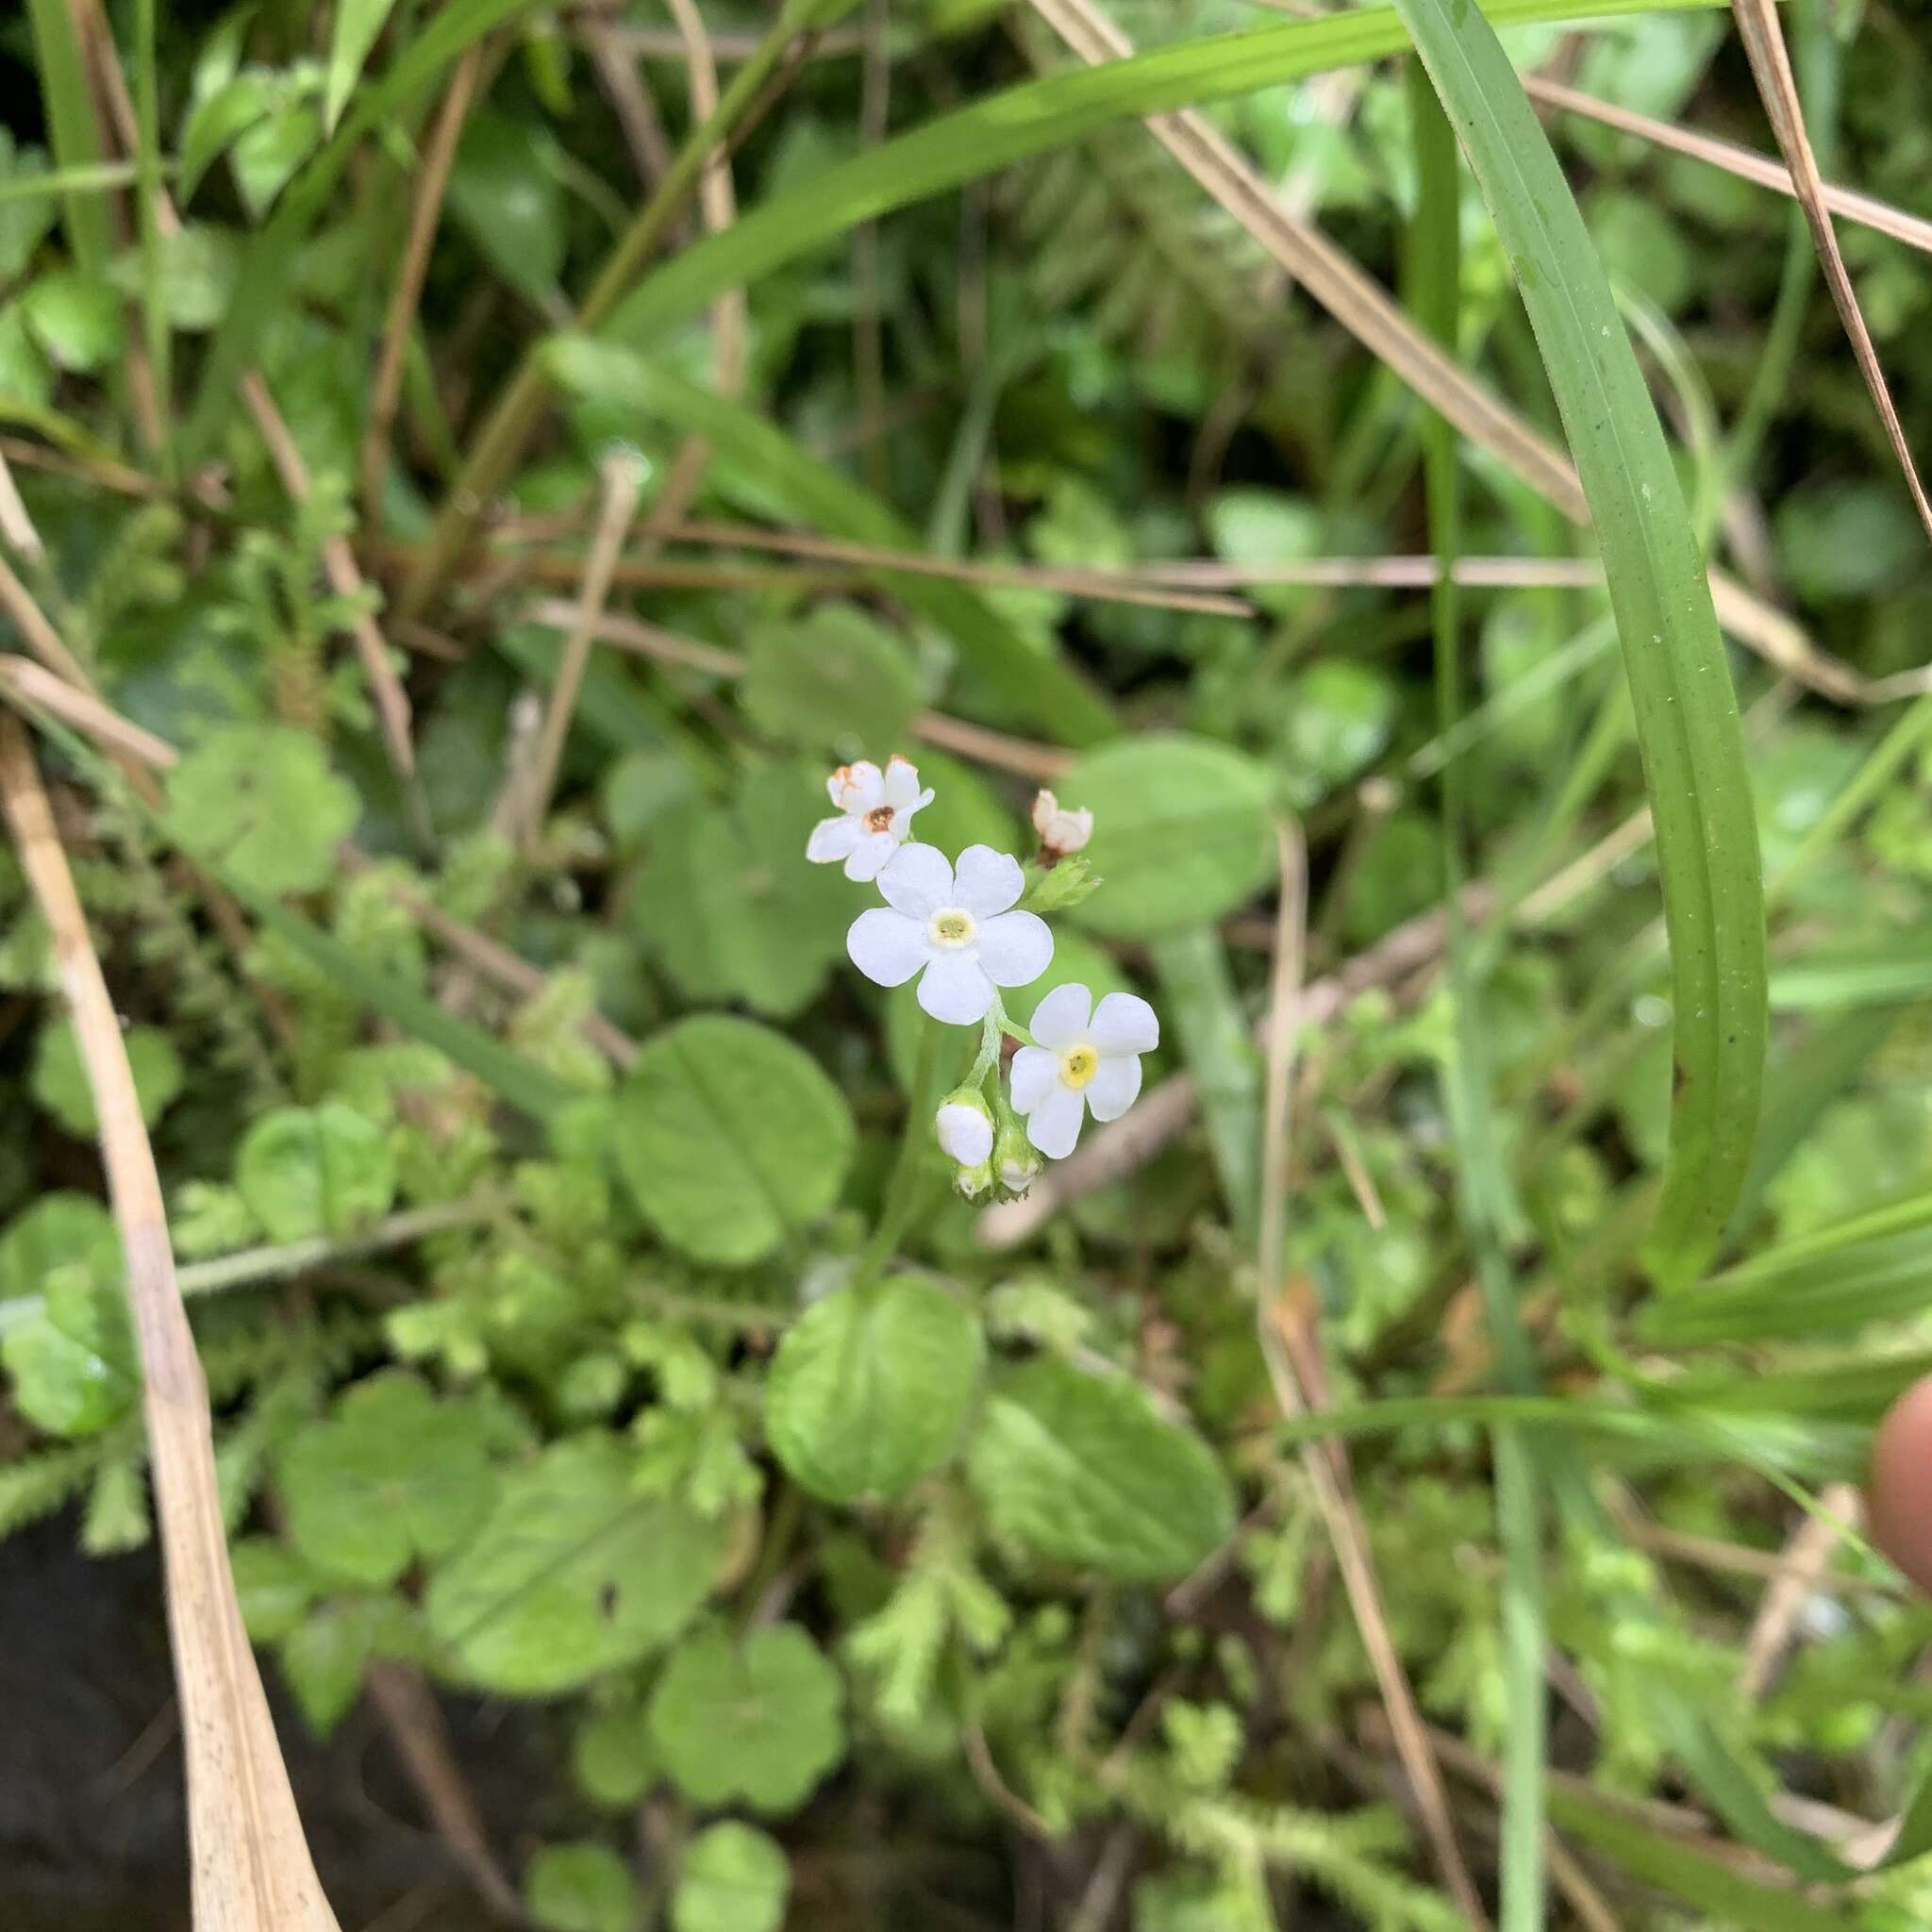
[(1800, 1567), (250, 1863)]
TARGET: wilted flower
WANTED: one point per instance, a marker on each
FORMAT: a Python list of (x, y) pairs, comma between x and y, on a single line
[(875, 816), (1061, 832)]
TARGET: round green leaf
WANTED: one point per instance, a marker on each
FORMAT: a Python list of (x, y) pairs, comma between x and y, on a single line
[(869, 1390), (1182, 833), (391, 1475), (834, 681), (759, 1720), (312, 1170), (612, 1756), (733, 1879), (61, 1082), (1085, 1470), (76, 317), (575, 1573), (73, 1364), (260, 803), (581, 1887), (730, 1136)]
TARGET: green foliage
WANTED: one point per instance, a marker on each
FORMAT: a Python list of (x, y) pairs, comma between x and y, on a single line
[(72, 1362), (757, 1719), (1084, 1469), (61, 1082), (834, 681), (869, 1390), (730, 1138), (574, 1574), (582, 1888), (315, 1170), (263, 804), (733, 1879)]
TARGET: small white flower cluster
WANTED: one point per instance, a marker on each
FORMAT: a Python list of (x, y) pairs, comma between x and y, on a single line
[(960, 928)]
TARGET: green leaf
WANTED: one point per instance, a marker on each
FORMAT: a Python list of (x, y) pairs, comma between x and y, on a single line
[(61, 1082), (357, 24), (78, 317), (508, 203), (273, 1586), (315, 1171), (612, 1757), (731, 1138), (734, 1878), (392, 1476), (835, 681), (324, 1656), (580, 1888), (1182, 833), (25, 217), (196, 276), (575, 1573), (266, 154), (868, 1392), (1686, 712), (1084, 1469), (762, 470), (117, 1512), (261, 802), (219, 119), (728, 904), (61, 64), (73, 1364), (759, 1720)]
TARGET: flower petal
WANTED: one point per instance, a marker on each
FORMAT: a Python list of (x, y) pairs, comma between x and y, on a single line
[(902, 815), (1061, 1017), (988, 881), (902, 781), (857, 788), (870, 855), (1015, 947), (1114, 1088), (887, 947), (832, 840), (1055, 1123), (1124, 1022), (918, 882), (955, 989), (1035, 1074)]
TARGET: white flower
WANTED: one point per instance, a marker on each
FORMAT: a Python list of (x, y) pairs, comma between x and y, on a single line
[(957, 929), (875, 816), (1087, 1055), (1061, 832), (965, 1132)]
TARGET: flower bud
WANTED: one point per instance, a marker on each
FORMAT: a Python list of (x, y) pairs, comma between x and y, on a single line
[(974, 1181), (1061, 832), (1016, 1158), (964, 1127)]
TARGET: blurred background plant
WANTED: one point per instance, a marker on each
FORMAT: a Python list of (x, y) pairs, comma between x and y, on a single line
[(472, 468)]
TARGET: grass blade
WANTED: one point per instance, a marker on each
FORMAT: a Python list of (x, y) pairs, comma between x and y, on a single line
[(763, 470), (1686, 712), (76, 140), (1435, 279)]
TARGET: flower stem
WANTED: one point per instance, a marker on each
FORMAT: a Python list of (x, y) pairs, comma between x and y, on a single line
[(902, 1190)]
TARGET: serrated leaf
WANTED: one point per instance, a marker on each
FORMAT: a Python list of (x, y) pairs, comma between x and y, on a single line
[(1083, 1468), (306, 1171), (61, 1082), (580, 1888), (734, 1878), (357, 24), (261, 802), (835, 681), (575, 1573), (869, 1390), (1182, 833), (758, 1720), (731, 1138), (393, 1474), (74, 1365)]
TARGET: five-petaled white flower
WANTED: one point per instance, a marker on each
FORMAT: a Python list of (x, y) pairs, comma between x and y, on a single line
[(875, 816), (955, 929), (1087, 1055), (1062, 832)]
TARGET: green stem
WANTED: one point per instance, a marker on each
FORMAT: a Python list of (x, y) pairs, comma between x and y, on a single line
[(903, 1190), (520, 407)]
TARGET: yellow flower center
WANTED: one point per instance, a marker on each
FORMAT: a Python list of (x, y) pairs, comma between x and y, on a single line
[(1078, 1065), (951, 927)]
